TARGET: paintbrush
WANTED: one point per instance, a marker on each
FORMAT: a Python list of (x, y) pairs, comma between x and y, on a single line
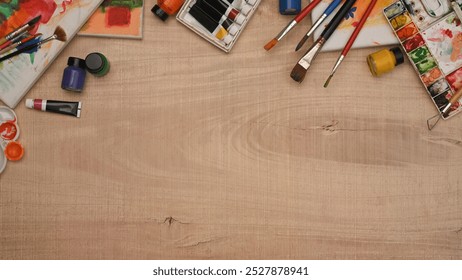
[(431, 122), (15, 39), (351, 40), (332, 6), (20, 43), (19, 30), (59, 35), (299, 71), (292, 24)]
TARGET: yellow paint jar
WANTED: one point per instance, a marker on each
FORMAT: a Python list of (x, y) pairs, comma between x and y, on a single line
[(385, 60)]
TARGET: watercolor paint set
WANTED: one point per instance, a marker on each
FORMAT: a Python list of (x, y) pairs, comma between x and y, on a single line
[(432, 39), (9, 133), (220, 22)]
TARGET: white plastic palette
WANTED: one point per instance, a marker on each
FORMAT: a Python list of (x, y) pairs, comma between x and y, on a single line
[(9, 132)]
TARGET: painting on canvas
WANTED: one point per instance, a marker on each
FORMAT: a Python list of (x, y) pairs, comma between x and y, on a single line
[(376, 31), (117, 19), (18, 74)]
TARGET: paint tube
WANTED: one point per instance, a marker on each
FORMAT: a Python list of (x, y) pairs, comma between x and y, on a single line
[(217, 17), (209, 24), (227, 10), (53, 106)]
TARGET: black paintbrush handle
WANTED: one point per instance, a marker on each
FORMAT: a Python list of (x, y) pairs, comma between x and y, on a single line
[(23, 50), (338, 18)]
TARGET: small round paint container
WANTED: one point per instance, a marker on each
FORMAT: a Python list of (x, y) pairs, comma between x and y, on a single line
[(14, 151), (385, 60), (165, 8), (74, 75), (290, 7), (97, 64)]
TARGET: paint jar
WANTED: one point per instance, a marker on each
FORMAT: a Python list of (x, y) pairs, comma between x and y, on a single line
[(14, 151), (74, 75), (165, 8), (97, 64), (290, 7), (385, 60)]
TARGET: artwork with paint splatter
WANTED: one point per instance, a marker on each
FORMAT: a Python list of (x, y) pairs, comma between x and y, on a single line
[(116, 19), (444, 39), (375, 32), (18, 74)]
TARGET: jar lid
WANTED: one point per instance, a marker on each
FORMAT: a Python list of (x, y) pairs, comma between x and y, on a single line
[(94, 62), (159, 12), (77, 62), (399, 56)]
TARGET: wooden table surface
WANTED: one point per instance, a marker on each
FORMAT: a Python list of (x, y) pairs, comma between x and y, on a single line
[(185, 152)]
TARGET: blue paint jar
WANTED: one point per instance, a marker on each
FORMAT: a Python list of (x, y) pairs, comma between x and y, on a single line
[(290, 7), (74, 75)]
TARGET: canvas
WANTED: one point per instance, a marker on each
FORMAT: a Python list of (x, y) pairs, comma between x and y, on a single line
[(116, 19), (18, 75), (376, 31)]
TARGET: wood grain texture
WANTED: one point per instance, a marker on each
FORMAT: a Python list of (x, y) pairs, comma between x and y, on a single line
[(184, 152)]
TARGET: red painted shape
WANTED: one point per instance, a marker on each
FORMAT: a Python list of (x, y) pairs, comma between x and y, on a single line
[(118, 16), (64, 5)]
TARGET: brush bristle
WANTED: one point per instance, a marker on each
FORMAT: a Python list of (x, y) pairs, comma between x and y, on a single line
[(298, 73), (326, 84), (271, 44), (301, 43), (60, 34), (34, 21)]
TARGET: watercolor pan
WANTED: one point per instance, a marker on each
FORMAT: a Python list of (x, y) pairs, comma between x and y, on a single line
[(413, 42), (400, 21), (419, 54), (428, 42), (438, 87), (407, 32), (186, 19), (431, 76)]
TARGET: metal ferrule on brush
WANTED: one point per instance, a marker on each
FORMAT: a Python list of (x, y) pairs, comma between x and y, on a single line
[(316, 25), (308, 58), (48, 39), (446, 110), (337, 64), (286, 30)]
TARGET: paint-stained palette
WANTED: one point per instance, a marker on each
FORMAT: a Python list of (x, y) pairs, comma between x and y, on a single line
[(434, 47)]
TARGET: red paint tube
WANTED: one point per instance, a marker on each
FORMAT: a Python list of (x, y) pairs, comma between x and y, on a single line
[(240, 6), (53, 106)]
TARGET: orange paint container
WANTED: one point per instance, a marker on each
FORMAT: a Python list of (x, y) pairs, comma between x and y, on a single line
[(165, 8)]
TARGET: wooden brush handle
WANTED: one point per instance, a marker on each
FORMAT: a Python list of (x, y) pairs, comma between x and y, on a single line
[(2, 41), (306, 10), (456, 97), (338, 18)]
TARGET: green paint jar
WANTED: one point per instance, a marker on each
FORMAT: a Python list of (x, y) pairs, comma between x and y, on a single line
[(97, 64)]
